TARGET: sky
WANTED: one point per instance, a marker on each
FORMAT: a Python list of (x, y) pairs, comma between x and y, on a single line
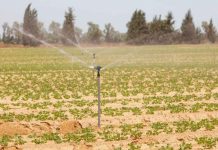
[(118, 12)]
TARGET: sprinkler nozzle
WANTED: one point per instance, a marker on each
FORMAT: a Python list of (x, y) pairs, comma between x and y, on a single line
[(98, 68)]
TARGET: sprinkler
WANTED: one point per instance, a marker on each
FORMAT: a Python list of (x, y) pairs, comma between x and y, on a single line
[(93, 58), (98, 68)]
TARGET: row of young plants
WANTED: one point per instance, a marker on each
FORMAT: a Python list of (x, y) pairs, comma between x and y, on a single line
[(59, 112), (63, 114), (86, 134), (67, 84), (40, 116), (150, 81), (34, 59), (49, 104), (180, 98), (136, 131), (182, 126), (124, 132), (145, 101), (57, 85), (89, 136), (181, 108), (203, 142)]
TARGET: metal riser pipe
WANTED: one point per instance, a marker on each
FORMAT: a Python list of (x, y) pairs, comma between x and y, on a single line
[(99, 101)]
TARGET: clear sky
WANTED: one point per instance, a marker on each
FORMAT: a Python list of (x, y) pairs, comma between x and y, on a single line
[(118, 12)]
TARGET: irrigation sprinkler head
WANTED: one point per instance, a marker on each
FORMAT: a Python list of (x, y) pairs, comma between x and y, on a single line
[(98, 68)]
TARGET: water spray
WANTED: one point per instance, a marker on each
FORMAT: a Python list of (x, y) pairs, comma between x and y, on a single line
[(70, 56), (82, 50), (93, 63), (94, 66), (76, 44)]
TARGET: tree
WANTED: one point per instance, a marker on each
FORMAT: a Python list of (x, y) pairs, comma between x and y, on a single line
[(55, 31), (68, 27), (188, 28), (211, 35), (17, 35), (205, 26), (157, 26), (42, 31), (7, 36), (199, 35), (209, 30), (162, 26), (94, 33), (137, 26), (30, 25), (111, 35), (108, 32), (169, 22), (55, 27)]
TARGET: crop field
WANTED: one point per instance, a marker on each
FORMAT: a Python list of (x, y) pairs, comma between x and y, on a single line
[(153, 97)]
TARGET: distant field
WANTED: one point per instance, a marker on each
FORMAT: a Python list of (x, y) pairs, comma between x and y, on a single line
[(154, 97), (47, 58)]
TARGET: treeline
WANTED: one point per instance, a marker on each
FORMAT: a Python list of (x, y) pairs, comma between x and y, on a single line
[(140, 31), (162, 31), (66, 33)]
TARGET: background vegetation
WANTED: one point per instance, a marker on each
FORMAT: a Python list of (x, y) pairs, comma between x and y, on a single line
[(160, 30)]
